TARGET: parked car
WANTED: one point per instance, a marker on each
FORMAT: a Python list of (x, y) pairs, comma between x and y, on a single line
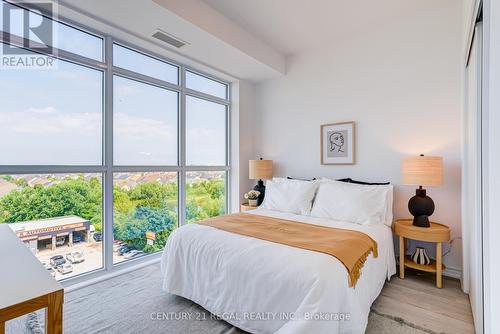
[(77, 238), (124, 249), (57, 260), (65, 268), (51, 271), (46, 265), (133, 253), (97, 236), (60, 241), (116, 245), (75, 257)]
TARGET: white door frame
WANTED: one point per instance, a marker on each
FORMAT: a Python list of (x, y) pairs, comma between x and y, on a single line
[(491, 165)]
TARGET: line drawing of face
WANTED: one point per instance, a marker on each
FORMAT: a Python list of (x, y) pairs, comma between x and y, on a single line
[(336, 142)]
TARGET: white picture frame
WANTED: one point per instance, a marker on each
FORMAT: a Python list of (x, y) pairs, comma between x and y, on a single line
[(338, 143)]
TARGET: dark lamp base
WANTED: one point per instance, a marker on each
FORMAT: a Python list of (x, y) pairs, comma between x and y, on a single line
[(421, 207), (260, 187), (421, 221)]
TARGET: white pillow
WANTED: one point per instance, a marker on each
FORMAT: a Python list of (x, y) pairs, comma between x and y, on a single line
[(361, 204), (388, 217), (292, 196), (280, 179)]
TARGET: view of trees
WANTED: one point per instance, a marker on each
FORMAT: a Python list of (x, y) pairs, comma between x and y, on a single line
[(150, 206), (204, 199), (78, 197), (145, 207)]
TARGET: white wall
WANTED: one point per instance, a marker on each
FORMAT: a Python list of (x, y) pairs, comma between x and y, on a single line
[(400, 81), (243, 145)]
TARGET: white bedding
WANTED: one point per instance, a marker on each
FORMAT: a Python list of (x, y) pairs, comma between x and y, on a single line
[(265, 287)]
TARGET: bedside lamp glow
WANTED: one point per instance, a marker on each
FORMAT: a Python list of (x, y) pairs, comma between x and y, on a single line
[(422, 171), (260, 170)]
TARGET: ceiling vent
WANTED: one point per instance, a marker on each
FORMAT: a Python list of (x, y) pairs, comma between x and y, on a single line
[(169, 39)]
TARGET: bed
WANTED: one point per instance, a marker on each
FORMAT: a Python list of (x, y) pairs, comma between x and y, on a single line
[(266, 287)]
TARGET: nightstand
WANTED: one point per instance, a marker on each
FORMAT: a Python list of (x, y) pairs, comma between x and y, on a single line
[(246, 207), (437, 233)]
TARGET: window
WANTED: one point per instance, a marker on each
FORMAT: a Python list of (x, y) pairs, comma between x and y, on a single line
[(51, 117), (145, 212), (145, 124), (205, 132), (64, 38), (134, 61), (102, 156), (79, 42), (205, 85)]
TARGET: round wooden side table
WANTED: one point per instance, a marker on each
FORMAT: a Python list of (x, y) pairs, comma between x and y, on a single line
[(246, 207), (437, 233)]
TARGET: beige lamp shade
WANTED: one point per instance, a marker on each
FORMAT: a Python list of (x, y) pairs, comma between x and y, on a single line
[(422, 171), (260, 169)]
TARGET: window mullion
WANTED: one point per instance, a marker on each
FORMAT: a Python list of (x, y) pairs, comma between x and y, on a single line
[(108, 157), (182, 150), (145, 79), (31, 169), (206, 97), (228, 159)]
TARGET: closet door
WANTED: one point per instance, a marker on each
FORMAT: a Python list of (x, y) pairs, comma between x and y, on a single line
[(472, 180)]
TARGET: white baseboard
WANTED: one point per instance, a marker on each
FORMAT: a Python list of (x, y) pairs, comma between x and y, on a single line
[(453, 272)]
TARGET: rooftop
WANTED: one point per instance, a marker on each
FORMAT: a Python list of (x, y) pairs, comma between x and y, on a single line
[(6, 187), (46, 223)]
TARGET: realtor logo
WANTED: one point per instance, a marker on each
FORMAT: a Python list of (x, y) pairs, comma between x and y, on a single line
[(28, 35)]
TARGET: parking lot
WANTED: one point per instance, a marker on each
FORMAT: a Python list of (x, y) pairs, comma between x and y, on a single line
[(91, 251)]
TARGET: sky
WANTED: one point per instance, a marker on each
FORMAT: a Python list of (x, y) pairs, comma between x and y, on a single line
[(63, 36), (55, 116)]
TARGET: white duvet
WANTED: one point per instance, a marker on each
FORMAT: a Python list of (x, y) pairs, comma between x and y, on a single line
[(265, 287)]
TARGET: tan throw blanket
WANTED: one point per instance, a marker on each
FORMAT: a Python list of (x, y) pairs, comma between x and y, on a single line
[(349, 247)]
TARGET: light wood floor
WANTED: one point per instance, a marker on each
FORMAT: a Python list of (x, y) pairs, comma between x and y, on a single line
[(416, 300)]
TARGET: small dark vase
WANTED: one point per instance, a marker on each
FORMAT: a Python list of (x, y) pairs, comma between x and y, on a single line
[(421, 207)]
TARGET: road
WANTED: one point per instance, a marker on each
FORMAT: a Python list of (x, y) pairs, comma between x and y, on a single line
[(92, 251)]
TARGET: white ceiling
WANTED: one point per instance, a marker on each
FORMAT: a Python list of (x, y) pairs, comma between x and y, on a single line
[(216, 44), (293, 26), (245, 39)]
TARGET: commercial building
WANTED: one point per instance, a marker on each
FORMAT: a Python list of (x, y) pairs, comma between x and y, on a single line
[(53, 232)]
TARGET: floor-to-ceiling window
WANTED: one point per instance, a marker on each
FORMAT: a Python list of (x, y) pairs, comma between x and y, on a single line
[(105, 149)]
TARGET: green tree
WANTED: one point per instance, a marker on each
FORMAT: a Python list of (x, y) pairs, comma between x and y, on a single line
[(68, 197), (153, 195), (132, 228), (122, 202), (205, 199)]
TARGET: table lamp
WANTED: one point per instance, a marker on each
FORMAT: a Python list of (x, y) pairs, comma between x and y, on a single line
[(260, 170), (422, 171)]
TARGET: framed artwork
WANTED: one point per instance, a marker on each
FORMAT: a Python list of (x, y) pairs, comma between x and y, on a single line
[(338, 142)]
